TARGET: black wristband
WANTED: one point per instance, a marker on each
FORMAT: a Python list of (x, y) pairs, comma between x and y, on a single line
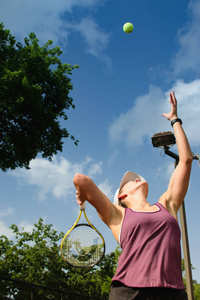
[(176, 120)]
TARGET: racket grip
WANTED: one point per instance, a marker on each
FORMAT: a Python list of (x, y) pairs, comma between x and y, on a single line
[(82, 206)]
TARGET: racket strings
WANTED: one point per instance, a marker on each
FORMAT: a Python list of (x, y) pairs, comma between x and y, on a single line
[(83, 247)]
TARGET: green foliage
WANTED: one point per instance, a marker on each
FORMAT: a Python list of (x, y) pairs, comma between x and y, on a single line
[(196, 286), (35, 258), (196, 291), (34, 95)]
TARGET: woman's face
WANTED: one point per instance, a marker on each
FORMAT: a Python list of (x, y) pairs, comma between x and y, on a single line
[(130, 188)]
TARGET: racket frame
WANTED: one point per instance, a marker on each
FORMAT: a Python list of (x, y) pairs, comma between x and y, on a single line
[(82, 209)]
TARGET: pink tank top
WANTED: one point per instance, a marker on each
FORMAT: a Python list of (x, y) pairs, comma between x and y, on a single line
[(151, 251)]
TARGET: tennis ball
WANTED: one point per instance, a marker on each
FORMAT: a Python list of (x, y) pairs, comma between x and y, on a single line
[(128, 27)]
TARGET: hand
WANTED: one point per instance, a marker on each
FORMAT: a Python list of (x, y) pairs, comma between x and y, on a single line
[(78, 200), (173, 112), (80, 181)]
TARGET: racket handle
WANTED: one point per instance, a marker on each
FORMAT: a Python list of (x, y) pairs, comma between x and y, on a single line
[(82, 206)]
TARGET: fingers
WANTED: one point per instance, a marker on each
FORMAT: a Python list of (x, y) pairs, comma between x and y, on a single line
[(78, 200), (77, 195), (173, 112), (172, 98)]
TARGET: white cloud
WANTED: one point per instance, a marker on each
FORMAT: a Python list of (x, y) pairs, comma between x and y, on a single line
[(51, 177), (55, 177), (46, 19), (5, 213), (5, 230), (26, 226), (145, 117), (188, 95), (112, 159), (96, 40), (188, 58), (165, 171), (95, 168), (141, 120), (106, 188)]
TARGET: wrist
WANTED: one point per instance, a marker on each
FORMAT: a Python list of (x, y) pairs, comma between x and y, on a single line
[(175, 120)]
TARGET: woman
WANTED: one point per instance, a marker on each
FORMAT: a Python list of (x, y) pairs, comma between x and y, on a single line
[(150, 264)]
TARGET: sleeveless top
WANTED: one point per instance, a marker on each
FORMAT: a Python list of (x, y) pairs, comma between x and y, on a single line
[(151, 251)]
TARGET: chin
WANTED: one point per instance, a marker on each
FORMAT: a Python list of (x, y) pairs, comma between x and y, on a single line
[(122, 204)]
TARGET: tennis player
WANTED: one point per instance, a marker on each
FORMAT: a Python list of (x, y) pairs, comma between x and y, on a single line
[(150, 264)]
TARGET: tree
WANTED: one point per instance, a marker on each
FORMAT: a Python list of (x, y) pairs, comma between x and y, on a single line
[(106, 271), (196, 286), (196, 290), (35, 258), (34, 95)]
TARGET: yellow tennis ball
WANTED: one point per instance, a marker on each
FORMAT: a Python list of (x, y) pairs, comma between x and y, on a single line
[(128, 27)]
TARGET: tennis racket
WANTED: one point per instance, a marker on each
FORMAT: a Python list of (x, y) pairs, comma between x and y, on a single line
[(83, 246)]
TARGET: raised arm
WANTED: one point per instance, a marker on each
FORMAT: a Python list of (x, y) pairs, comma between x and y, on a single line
[(179, 181)]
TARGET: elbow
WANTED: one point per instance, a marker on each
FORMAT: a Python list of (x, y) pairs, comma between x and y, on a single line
[(191, 159), (188, 160), (80, 179)]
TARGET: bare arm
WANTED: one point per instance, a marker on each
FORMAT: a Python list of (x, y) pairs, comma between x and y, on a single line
[(111, 215), (179, 181)]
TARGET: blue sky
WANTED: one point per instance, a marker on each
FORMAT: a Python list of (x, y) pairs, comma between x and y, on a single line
[(120, 92)]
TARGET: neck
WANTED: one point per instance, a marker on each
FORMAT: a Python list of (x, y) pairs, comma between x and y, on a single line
[(138, 202), (139, 206)]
